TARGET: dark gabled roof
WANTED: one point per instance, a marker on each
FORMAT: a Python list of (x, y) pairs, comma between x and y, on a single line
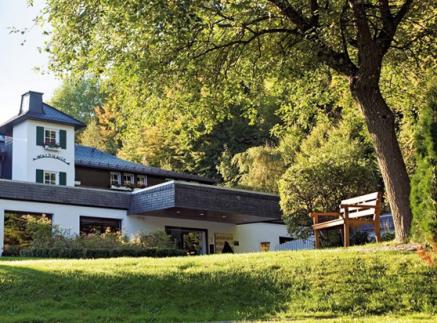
[(49, 114), (94, 158)]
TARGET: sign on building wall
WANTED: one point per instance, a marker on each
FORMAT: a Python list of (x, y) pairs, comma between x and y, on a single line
[(52, 156), (219, 241)]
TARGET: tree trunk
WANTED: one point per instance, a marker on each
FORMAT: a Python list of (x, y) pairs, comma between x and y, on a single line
[(380, 123)]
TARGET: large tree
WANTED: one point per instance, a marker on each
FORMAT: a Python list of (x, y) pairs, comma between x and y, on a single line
[(78, 98), (224, 49)]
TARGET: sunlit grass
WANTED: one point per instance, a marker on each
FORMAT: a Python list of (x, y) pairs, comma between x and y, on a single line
[(307, 285)]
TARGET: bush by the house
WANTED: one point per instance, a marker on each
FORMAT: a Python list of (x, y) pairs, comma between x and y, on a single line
[(158, 239), (127, 251), (50, 241), (21, 229)]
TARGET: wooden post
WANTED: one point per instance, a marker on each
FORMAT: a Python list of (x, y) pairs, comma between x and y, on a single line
[(317, 239), (377, 229), (346, 228), (346, 234), (377, 219)]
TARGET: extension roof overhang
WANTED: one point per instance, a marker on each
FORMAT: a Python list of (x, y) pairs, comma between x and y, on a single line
[(185, 200), (174, 199), (48, 114), (94, 158)]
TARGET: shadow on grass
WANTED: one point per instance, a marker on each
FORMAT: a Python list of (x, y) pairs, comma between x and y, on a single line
[(34, 295)]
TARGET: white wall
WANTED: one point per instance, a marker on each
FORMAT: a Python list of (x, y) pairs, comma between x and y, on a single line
[(150, 224), (251, 235), (66, 216), (25, 149), (20, 154)]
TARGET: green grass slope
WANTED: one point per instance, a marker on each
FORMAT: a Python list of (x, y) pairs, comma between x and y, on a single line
[(327, 285)]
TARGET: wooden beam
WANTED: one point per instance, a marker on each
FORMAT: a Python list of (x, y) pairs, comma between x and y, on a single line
[(346, 234)]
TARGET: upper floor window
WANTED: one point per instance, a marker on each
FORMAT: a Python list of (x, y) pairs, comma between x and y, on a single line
[(50, 137), (141, 181), (49, 178), (128, 179), (115, 179)]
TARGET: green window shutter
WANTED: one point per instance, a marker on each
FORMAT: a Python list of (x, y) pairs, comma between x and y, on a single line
[(62, 178), (63, 139), (39, 176), (40, 136)]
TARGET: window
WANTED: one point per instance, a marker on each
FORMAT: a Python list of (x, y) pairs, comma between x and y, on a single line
[(50, 137), (284, 239), (49, 178), (128, 179), (264, 246), (16, 237), (115, 179), (90, 225), (141, 181)]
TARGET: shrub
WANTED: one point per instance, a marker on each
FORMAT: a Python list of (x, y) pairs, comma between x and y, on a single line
[(335, 162), (359, 238), (76, 253), (388, 236), (424, 182), (158, 239), (105, 245)]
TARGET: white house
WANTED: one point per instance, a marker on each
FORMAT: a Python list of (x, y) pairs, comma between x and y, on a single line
[(43, 171)]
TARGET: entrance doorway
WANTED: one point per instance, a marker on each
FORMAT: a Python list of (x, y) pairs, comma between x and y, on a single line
[(193, 241)]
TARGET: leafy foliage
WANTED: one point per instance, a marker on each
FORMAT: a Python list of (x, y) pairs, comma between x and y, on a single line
[(256, 168), (35, 236), (183, 78), (334, 163), (424, 181), (20, 230), (78, 98)]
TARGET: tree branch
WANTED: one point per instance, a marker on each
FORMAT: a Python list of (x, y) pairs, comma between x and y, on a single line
[(292, 14), (402, 12), (254, 36), (314, 13), (364, 35), (390, 23)]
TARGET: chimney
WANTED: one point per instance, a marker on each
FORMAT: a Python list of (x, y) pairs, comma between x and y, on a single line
[(31, 102)]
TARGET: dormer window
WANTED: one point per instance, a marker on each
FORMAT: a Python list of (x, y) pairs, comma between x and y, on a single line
[(50, 137), (141, 181), (115, 179), (128, 180)]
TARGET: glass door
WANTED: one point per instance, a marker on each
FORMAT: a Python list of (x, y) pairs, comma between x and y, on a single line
[(193, 241)]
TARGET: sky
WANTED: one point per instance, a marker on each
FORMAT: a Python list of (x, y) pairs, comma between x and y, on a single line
[(18, 62)]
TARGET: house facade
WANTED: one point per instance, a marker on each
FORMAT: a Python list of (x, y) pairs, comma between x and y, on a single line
[(82, 189)]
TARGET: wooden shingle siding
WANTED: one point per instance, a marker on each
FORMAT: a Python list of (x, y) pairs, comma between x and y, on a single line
[(26, 191), (205, 197)]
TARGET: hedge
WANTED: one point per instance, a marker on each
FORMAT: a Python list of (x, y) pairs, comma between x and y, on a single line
[(77, 253)]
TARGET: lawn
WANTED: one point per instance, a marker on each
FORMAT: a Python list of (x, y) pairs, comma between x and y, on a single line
[(327, 285)]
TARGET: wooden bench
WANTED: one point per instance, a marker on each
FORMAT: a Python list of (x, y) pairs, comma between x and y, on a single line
[(365, 209)]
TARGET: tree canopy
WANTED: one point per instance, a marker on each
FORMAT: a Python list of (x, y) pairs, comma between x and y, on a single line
[(195, 61)]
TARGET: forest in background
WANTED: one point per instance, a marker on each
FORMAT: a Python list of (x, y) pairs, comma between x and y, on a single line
[(299, 134)]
